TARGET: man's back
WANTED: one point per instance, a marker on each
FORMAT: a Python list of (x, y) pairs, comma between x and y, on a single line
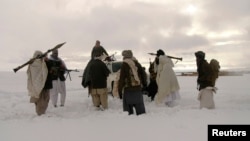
[(98, 74)]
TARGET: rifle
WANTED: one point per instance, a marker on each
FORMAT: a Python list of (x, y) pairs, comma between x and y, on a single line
[(68, 73), (177, 58), (110, 57), (38, 57)]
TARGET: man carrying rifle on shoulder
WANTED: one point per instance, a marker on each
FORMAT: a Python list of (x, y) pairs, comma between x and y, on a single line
[(39, 81), (58, 70), (167, 82)]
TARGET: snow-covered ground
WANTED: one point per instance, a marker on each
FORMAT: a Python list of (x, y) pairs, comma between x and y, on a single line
[(79, 121)]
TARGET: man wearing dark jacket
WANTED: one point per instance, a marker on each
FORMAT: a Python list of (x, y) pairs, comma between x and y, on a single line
[(98, 49), (98, 73), (58, 69), (205, 83), (130, 84), (203, 70)]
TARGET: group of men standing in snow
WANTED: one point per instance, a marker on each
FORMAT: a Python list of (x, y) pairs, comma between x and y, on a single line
[(132, 80), (46, 79)]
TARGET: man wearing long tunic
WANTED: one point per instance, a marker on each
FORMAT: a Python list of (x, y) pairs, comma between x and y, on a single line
[(39, 83), (205, 81), (168, 85)]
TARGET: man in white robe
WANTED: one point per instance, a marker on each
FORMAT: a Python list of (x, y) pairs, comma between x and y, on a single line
[(168, 86)]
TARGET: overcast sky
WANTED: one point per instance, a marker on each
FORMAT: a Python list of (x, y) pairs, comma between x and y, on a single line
[(221, 28)]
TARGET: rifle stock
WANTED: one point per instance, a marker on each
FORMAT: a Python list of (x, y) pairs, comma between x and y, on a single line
[(37, 57), (177, 58)]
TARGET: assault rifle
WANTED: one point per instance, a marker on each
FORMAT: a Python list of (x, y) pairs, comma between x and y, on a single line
[(68, 73), (38, 57), (177, 58)]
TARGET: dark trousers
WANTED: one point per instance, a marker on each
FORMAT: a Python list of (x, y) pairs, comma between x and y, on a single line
[(133, 99), (139, 109)]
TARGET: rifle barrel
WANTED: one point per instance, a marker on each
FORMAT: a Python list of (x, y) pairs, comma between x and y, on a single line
[(69, 70), (177, 58), (152, 53)]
